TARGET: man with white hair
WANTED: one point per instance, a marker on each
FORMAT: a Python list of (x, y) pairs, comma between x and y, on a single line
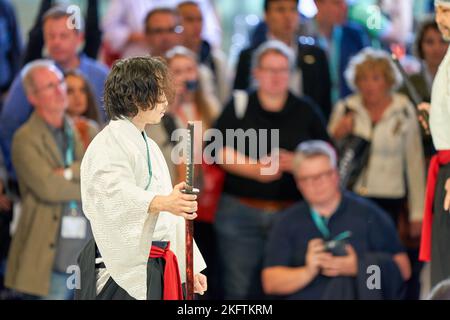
[(321, 248), (62, 43), (435, 242), (46, 154)]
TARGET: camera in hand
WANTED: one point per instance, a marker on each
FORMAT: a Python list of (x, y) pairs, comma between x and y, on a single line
[(336, 246)]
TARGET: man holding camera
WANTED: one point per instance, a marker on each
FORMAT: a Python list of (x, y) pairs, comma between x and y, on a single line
[(329, 246)]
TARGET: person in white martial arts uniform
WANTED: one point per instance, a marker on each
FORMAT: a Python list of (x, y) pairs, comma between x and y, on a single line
[(137, 218), (435, 241)]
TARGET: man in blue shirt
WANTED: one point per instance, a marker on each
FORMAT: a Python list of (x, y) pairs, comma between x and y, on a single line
[(62, 39), (301, 261), (338, 37)]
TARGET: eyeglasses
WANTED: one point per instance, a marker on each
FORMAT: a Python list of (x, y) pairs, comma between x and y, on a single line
[(159, 31), (275, 71), (52, 86), (316, 177)]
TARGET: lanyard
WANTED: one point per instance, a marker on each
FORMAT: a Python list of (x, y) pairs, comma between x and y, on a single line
[(335, 54), (333, 48), (69, 152), (149, 164), (322, 224), (69, 157)]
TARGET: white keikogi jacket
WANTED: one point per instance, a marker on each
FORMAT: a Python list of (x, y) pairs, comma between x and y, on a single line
[(440, 106), (114, 174)]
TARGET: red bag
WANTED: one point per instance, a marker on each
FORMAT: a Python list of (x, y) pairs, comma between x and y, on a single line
[(213, 178)]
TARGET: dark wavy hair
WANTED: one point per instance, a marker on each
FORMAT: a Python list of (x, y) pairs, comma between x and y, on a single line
[(134, 84), (427, 24), (92, 110)]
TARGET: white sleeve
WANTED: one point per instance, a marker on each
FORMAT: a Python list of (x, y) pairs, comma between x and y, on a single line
[(114, 27), (118, 211), (402, 19), (212, 30)]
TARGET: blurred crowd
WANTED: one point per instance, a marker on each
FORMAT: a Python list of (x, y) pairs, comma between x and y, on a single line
[(327, 83)]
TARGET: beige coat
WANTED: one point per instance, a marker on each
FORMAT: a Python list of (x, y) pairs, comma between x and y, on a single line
[(440, 106), (35, 156)]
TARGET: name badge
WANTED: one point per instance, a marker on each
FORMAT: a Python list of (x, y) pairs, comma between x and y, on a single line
[(73, 227)]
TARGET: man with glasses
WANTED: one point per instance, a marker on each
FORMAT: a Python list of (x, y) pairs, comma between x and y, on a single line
[(124, 28), (310, 77), (251, 193), (46, 153), (214, 68), (162, 30), (324, 247), (62, 41)]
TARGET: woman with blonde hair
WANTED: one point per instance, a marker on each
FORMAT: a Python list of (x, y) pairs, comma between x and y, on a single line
[(395, 169)]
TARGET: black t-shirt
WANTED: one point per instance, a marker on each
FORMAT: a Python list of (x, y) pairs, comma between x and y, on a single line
[(298, 121), (372, 231)]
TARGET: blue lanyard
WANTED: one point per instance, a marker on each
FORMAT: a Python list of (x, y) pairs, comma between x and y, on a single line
[(69, 156), (149, 164), (335, 56), (322, 224), (333, 48)]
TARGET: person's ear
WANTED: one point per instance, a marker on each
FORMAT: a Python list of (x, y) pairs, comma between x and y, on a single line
[(31, 97)]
